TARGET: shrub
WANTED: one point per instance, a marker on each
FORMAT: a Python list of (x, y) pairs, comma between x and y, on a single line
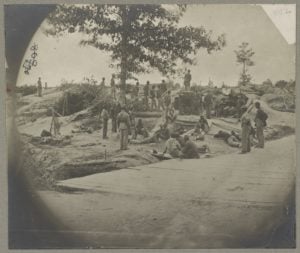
[(281, 84), (26, 90), (78, 97)]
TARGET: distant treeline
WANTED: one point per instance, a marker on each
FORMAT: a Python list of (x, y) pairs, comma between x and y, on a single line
[(26, 90)]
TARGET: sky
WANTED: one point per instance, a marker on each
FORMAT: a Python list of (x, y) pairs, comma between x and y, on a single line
[(63, 58), (284, 18)]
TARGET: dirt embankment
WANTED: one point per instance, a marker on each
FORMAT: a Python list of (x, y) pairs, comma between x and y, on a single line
[(80, 153), (44, 164)]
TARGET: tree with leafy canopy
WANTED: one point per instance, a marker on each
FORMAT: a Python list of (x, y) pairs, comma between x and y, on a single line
[(281, 84), (243, 57), (138, 37)]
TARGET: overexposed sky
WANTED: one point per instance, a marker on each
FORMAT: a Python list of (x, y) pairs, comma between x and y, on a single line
[(269, 29), (284, 18)]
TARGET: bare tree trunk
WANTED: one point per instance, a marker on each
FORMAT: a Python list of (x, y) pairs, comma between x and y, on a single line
[(244, 73), (123, 74)]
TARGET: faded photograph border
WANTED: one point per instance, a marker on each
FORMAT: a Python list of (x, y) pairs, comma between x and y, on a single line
[(3, 140)]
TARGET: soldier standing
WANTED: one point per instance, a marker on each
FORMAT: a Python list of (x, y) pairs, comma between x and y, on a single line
[(260, 123), (113, 114), (167, 102), (136, 89), (132, 130), (153, 100), (160, 104), (246, 130), (208, 100), (46, 86), (39, 87), (104, 117), (123, 121), (146, 94), (163, 87), (187, 80), (102, 84), (55, 124), (200, 102), (113, 86)]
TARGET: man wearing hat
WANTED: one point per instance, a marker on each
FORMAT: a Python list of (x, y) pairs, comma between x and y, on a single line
[(246, 132), (187, 80), (260, 123), (104, 117), (190, 149), (123, 121), (208, 101), (39, 87), (173, 146), (113, 86)]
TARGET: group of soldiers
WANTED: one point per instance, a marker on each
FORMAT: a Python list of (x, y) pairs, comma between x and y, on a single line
[(181, 147), (248, 132), (232, 105), (123, 119), (157, 96), (250, 136)]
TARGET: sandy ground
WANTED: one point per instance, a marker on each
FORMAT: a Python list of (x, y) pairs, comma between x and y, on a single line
[(87, 146), (228, 200), (182, 204)]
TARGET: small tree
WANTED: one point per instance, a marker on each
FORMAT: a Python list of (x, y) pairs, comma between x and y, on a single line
[(281, 84), (243, 57), (292, 84), (138, 37), (267, 82)]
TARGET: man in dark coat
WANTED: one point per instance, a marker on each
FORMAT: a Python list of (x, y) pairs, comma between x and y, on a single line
[(187, 80), (39, 87), (153, 98), (146, 94), (190, 149), (124, 124), (104, 117), (208, 101), (114, 111), (260, 123)]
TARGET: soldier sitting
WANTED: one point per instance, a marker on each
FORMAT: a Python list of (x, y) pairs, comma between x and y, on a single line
[(173, 147), (201, 126), (140, 129), (232, 139), (190, 149)]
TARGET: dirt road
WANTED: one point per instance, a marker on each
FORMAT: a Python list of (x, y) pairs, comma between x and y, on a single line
[(228, 201)]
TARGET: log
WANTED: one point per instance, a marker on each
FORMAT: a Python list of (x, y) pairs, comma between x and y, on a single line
[(162, 156), (148, 114), (226, 127), (95, 163)]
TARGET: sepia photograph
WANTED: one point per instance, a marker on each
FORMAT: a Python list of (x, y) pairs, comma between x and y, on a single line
[(151, 126)]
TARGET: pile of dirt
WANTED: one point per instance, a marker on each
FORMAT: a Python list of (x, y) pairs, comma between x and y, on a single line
[(278, 131), (57, 141), (32, 107), (78, 97), (281, 102), (38, 164), (26, 90), (48, 159), (84, 166)]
